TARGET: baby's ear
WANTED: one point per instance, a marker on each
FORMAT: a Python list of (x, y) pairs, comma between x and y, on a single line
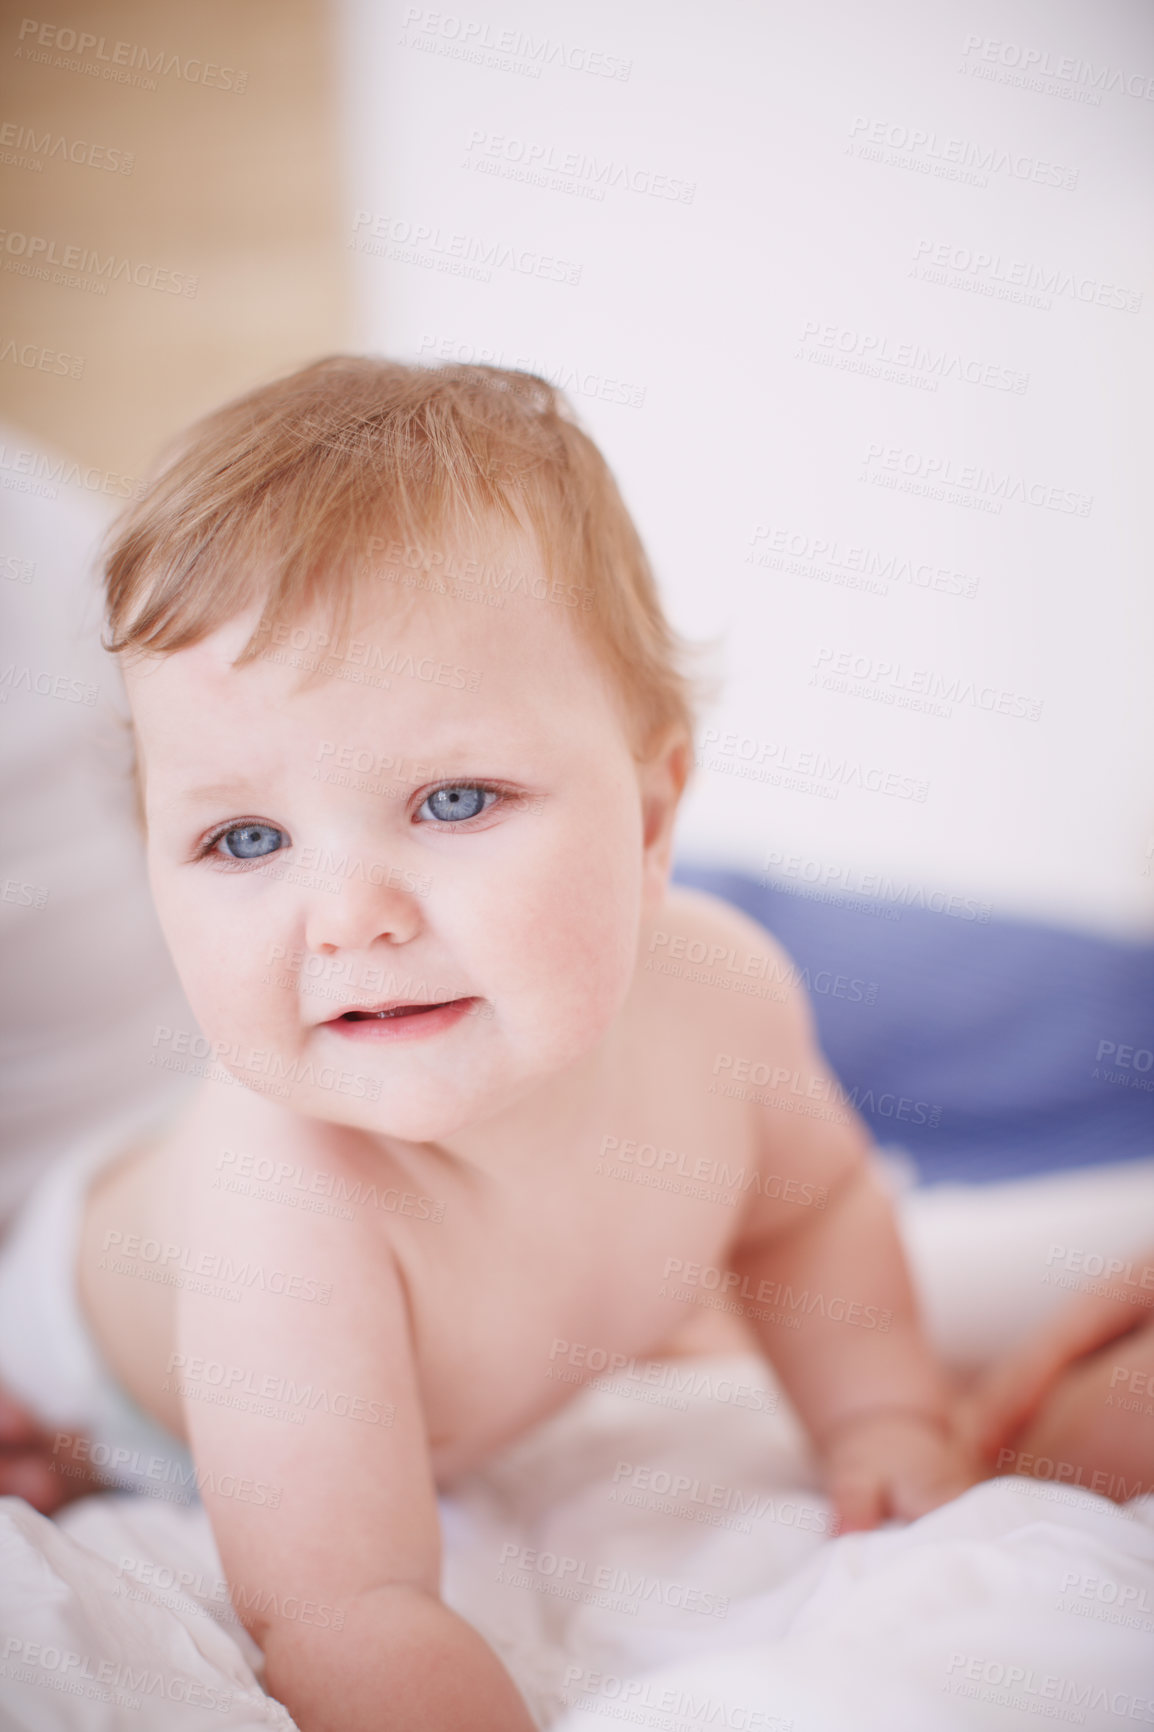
[(136, 771), (662, 776)]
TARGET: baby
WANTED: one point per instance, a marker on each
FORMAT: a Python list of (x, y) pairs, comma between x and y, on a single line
[(412, 732)]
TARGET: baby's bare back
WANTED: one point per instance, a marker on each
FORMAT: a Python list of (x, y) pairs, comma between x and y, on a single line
[(516, 1284)]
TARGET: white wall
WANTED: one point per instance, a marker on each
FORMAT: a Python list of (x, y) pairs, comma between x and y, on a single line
[(774, 360)]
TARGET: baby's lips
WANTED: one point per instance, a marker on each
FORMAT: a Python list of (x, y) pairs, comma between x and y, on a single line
[(391, 1005)]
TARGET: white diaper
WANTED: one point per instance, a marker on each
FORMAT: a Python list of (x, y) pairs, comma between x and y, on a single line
[(48, 1359)]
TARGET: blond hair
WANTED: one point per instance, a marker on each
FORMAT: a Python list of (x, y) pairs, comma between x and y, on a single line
[(281, 493)]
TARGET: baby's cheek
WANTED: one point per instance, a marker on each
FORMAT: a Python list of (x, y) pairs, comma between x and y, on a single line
[(582, 938), (239, 999), (235, 974)]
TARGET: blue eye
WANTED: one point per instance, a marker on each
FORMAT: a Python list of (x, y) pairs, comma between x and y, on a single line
[(250, 841), (454, 804)]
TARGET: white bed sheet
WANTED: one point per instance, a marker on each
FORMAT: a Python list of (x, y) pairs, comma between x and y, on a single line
[(656, 1554)]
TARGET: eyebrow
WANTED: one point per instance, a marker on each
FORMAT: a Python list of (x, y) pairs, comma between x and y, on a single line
[(217, 791), (432, 768)]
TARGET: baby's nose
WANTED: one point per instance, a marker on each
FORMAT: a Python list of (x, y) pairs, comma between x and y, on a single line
[(358, 913)]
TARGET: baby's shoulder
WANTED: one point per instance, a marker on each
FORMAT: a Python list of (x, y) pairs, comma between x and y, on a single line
[(719, 964), (699, 914), (241, 1142)]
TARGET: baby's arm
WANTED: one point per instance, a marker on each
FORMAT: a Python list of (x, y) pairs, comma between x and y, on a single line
[(332, 1421), (857, 1365), (828, 1290)]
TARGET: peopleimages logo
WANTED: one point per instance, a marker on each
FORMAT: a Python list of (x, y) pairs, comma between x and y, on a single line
[(875, 893), (851, 565), (120, 1683), (734, 1284), (993, 272), (503, 49), (39, 359), (1005, 1683), (227, 1057), (1020, 63), (780, 1081), (524, 1567), (247, 1388), (806, 772), (572, 171), (121, 62), (644, 1702), (426, 244), (877, 355), (993, 486), (27, 148), (36, 471), (927, 151), (891, 682), (31, 255)]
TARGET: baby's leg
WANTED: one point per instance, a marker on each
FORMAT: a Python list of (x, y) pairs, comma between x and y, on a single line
[(1096, 1424), (996, 1264), (1074, 1401)]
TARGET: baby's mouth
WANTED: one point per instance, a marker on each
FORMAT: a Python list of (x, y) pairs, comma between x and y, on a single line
[(369, 1021)]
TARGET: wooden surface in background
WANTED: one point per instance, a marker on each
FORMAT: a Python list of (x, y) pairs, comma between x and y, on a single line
[(237, 188)]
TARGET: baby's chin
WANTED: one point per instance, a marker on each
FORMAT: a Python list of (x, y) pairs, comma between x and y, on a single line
[(403, 1121), (428, 1110)]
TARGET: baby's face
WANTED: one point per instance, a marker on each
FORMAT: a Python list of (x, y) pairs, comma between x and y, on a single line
[(452, 816)]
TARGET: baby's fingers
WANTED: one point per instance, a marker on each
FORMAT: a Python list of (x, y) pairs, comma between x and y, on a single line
[(30, 1467), (915, 1497), (858, 1500), (31, 1477), (18, 1428)]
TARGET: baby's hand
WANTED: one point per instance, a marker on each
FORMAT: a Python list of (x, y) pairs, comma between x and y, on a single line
[(35, 1463), (893, 1463)]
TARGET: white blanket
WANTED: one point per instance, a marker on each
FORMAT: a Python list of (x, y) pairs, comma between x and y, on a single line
[(654, 1555)]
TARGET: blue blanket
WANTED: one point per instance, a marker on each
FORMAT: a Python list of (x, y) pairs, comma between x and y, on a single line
[(988, 1049)]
